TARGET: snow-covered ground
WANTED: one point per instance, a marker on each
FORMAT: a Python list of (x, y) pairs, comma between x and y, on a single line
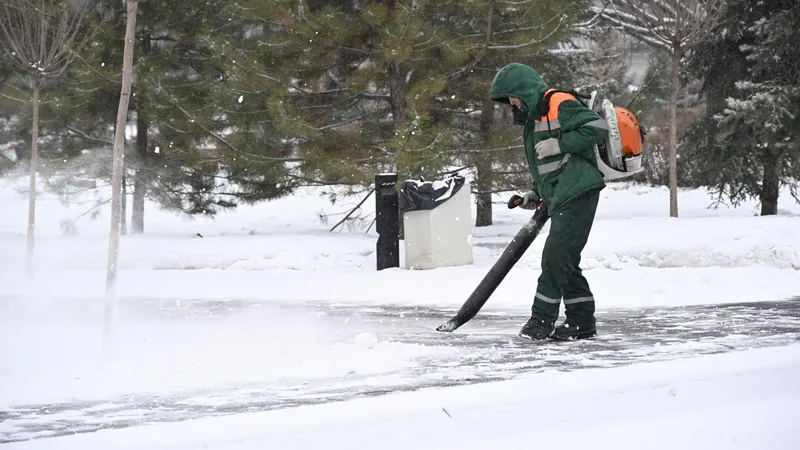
[(279, 253), (731, 401), (636, 255)]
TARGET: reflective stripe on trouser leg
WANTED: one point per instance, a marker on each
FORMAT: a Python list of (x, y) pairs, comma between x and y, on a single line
[(547, 299), (546, 307), (579, 301), (560, 277), (576, 300)]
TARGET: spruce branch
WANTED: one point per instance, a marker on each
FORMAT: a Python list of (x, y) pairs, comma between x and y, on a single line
[(13, 98), (84, 135), (228, 144)]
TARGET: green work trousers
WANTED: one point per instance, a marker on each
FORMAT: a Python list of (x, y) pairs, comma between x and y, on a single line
[(561, 275)]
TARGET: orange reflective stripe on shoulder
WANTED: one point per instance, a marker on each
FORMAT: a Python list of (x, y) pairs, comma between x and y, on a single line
[(550, 121), (556, 100)]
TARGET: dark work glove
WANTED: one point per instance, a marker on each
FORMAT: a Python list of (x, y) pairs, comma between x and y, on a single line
[(527, 201)]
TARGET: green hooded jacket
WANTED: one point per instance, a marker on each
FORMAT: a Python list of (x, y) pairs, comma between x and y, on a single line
[(559, 178)]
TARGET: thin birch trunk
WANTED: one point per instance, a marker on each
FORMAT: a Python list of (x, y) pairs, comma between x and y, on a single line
[(118, 164)]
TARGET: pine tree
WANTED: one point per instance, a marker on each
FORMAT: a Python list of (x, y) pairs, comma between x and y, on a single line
[(483, 37), (361, 80), (12, 108), (750, 141), (401, 85), (204, 139)]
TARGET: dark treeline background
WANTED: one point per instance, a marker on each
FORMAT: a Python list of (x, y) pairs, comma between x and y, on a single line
[(242, 101)]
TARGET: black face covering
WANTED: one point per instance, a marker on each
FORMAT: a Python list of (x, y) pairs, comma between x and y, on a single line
[(520, 117)]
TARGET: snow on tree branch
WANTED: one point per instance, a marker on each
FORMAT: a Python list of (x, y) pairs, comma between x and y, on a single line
[(41, 36), (633, 27), (666, 24)]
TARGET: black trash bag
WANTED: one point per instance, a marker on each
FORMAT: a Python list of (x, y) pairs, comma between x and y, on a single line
[(427, 195)]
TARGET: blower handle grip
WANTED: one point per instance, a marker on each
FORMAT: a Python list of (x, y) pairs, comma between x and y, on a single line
[(514, 201)]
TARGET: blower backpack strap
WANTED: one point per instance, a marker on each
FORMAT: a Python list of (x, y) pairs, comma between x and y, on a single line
[(544, 104)]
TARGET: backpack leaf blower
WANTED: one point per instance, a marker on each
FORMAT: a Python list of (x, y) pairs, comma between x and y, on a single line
[(618, 157)]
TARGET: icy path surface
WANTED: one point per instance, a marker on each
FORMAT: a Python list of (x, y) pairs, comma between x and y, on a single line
[(485, 349)]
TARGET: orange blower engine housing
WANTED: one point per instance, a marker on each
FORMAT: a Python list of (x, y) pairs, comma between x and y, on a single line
[(620, 155), (629, 132)]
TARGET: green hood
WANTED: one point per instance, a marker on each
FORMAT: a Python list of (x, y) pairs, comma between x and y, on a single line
[(520, 81)]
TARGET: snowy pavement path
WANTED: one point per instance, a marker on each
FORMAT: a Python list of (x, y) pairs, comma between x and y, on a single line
[(485, 349)]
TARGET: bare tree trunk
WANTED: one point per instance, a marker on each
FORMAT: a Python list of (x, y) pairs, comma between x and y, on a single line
[(123, 227), (119, 154), (397, 82), (34, 164), (483, 170), (673, 133), (483, 166), (139, 192), (397, 93), (770, 186), (483, 200), (140, 182), (397, 99)]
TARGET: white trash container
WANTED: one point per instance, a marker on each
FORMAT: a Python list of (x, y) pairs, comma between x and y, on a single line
[(437, 223)]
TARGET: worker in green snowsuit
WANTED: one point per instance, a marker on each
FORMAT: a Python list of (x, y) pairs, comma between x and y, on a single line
[(559, 136)]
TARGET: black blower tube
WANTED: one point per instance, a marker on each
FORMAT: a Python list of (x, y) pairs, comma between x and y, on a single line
[(516, 248)]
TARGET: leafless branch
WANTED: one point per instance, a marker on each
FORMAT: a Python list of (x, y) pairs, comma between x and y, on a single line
[(43, 36), (356, 208), (338, 124), (643, 88), (374, 96), (69, 223), (486, 150), (12, 98), (96, 72), (228, 144), (667, 24), (86, 136), (529, 43)]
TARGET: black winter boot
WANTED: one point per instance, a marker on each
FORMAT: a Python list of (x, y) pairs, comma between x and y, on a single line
[(573, 330), (537, 329)]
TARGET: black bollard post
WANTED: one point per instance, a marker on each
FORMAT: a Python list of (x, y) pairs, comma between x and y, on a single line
[(386, 221)]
